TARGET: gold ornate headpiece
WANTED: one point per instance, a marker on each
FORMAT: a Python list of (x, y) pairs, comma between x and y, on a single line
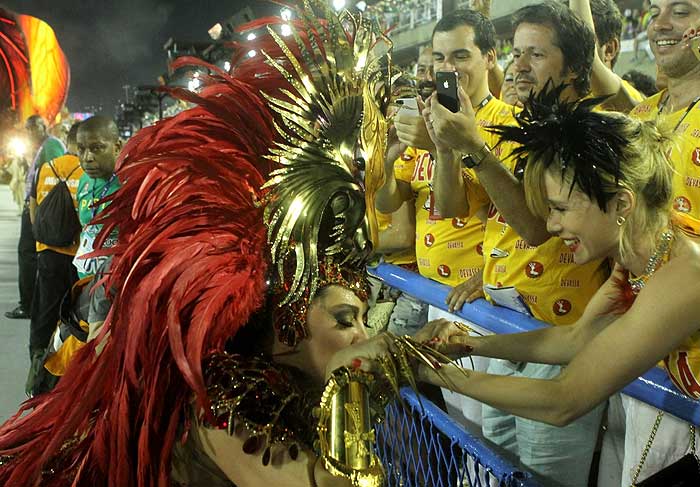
[(339, 72)]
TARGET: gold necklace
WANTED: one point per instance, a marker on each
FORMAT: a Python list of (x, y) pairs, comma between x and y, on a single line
[(661, 254)]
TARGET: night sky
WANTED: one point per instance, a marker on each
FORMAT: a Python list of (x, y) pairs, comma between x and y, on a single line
[(111, 43)]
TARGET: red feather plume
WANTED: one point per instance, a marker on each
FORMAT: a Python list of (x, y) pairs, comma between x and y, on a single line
[(189, 269)]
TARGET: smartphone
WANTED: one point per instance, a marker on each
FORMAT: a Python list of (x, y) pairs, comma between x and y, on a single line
[(408, 106), (446, 87)]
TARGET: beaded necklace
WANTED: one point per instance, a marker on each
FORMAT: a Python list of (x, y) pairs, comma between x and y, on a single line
[(661, 255)]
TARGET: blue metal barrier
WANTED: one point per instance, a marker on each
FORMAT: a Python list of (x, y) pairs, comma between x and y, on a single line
[(422, 446), (654, 387)]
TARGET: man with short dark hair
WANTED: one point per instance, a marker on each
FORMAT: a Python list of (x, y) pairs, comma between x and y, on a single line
[(672, 25), (605, 19), (551, 44), (447, 249), (48, 148), (98, 148)]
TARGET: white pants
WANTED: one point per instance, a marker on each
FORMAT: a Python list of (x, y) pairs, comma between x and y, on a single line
[(672, 440), (463, 409)]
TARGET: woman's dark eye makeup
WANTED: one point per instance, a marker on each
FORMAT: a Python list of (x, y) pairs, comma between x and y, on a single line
[(345, 320)]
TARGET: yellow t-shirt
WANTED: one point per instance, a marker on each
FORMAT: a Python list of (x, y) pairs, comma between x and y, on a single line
[(554, 288), (447, 250), (450, 250), (686, 157), (407, 256), (46, 179), (683, 364), (634, 94)]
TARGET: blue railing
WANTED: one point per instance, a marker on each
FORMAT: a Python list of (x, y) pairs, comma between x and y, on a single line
[(654, 387), (420, 445)]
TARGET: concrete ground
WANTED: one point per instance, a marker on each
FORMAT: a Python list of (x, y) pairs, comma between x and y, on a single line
[(14, 334)]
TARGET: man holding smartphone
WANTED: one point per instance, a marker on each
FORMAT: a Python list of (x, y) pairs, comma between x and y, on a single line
[(448, 250), (550, 45)]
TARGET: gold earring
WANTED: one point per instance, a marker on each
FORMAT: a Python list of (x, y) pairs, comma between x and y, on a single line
[(621, 220)]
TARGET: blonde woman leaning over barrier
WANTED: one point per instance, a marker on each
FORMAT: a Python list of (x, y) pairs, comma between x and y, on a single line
[(603, 183)]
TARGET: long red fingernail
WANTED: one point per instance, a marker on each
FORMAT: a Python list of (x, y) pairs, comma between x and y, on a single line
[(437, 365), (468, 349), (356, 363)]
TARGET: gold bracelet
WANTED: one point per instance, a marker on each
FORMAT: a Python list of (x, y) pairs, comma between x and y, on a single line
[(346, 438)]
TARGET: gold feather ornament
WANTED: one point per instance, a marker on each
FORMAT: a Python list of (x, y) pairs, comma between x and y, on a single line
[(333, 118)]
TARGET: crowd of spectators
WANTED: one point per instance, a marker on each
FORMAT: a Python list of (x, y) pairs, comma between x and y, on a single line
[(474, 232), (54, 255)]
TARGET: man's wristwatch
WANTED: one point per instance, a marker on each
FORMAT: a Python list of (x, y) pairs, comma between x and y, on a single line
[(475, 158)]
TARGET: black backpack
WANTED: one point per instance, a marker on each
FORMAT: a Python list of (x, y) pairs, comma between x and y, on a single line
[(56, 222)]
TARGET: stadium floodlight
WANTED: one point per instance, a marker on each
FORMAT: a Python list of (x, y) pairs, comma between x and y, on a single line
[(17, 147)]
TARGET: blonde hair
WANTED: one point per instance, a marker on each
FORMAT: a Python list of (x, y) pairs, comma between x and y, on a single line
[(645, 170)]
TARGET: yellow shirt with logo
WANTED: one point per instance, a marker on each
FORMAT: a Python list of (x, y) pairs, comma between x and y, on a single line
[(683, 364), (45, 182), (554, 288), (449, 250), (685, 156)]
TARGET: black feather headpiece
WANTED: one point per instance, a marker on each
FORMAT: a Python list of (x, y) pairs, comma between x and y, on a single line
[(586, 144)]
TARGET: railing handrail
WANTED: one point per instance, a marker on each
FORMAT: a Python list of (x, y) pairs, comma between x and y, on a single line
[(654, 387)]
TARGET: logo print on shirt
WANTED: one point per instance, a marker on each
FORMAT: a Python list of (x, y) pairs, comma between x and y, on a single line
[(480, 248), (685, 380), (682, 204), (406, 157), (695, 156), (498, 253), (561, 307), (444, 271), (429, 239), (459, 223), (534, 269)]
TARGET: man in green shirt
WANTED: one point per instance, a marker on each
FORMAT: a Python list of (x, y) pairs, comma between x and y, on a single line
[(48, 148), (98, 148)]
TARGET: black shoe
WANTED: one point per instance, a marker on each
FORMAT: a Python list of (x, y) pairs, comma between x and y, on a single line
[(17, 314)]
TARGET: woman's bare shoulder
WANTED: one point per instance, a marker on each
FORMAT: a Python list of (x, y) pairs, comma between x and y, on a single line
[(676, 285)]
